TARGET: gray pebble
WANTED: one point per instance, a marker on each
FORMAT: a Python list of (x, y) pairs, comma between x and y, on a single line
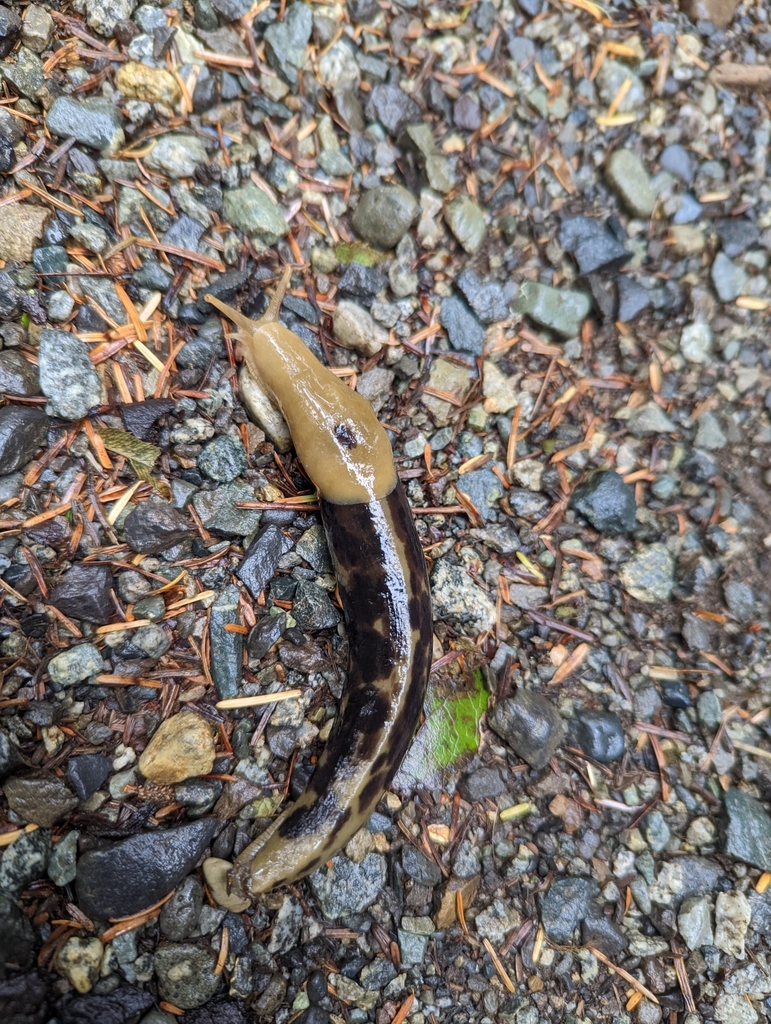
[(530, 724), (348, 888), (384, 214), (68, 378)]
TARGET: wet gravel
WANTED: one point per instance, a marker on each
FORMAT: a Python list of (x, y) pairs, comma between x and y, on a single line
[(536, 238)]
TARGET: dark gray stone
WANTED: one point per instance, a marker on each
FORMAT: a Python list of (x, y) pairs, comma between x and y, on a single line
[(607, 502), (740, 600), (179, 916), (87, 773), (17, 938), (24, 71), (227, 667), (10, 755), (485, 299), (130, 875), (23, 429), (632, 299), (484, 489), (675, 693), (312, 547), (10, 26), (737, 234), (50, 259), (265, 634), (218, 509), (225, 288), (122, 1005), (530, 724), (84, 593), (102, 291), (760, 905), (223, 459), (748, 830), (419, 868), (285, 41), (11, 296), (393, 108), (261, 559), (567, 903), (312, 607), (40, 798), (17, 376), (7, 155), (601, 931), (482, 784), (139, 417), (467, 113), (600, 734), (592, 244), (465, 332), (362, 282), (68, 378), (154, 526), (185, 233), (152, 275)]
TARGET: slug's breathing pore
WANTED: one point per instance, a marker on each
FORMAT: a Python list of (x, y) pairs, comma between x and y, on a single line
[(384, 591), (335, 432)]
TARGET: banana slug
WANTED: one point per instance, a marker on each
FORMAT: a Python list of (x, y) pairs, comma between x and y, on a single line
[(383, 586)]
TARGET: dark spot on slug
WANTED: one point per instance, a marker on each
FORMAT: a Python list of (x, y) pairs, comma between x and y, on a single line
[(417, 610), (308, 820), (345, 436), (375, 786), (373, 652)]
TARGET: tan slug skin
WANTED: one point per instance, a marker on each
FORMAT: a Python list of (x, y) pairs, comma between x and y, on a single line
[(383, 585), (335, 432)]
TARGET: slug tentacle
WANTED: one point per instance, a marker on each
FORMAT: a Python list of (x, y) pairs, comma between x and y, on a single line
[(384, 591)]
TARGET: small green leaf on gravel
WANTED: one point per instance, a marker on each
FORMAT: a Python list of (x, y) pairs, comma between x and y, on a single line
[(451, 729), (357, 252), (141, 454)]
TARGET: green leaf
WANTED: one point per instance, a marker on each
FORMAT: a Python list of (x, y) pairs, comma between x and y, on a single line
[(141, 454), (266, 806), (357, 252), (450, 731)]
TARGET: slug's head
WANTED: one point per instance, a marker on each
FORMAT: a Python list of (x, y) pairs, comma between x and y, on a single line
[(338, 439)]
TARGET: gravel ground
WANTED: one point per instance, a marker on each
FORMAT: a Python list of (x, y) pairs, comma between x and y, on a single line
[(536, 236)]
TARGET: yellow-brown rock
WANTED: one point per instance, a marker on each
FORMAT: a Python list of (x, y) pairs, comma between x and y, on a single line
[(182, 747), (154, 85), (21, 227), (719, 12)]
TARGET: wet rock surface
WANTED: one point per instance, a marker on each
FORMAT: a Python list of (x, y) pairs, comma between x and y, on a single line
[(22, 431), (134, 873)]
